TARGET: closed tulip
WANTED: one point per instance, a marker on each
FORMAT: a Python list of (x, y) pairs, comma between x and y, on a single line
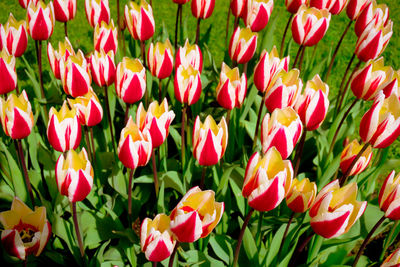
[(161, 59), (90, 112), (156, 238), (209, 140), (13, 36), (371, 79), (293, 5), (106, 37), (393, 260), (282, 129), (372, 12), (64, 10), (333, 6), (140, 20), (25, 3), (130, 80), (74, 175), (285, 91), (202, 9), (348, 155), (309, 25), (237, 7), (242, 45), (157, 120), (267, 180), (26, 232), (196, 215), (65, 49), (355, 7), (16, 115), (232, 87), (135, 146), (256, 14), (187, 85), (8, 75), (40, 20), (102, 67), (97, 11), (267, 69), (64, 129), (189, 55), (313, 104), (380, 125), (301, 195), (75, 76)]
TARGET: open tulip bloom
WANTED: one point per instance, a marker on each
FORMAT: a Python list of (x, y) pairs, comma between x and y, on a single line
[(187, 85), (106, 37), (8, 75), (301, 195), (89, 109), (349, 154), (13, 36), (189, 55), (161, 59), (65, 49), (97, 11), (40, 20), (140, 20), (243, 45), (130, 80), (372, 12), (393, 259)]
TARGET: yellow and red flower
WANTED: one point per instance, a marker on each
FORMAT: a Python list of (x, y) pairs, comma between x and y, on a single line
[(97, 11), (106, 37), (65, 49), (202, 9), (13, 36), (160, 58), (140, 20), (232, 87), (40, 18), (189, 55), (130, 80), (64, 10), (8, 75), (242, 45), (102, 67), (301, 195), (187, 84), (90, 112), (256, 14), (348, 155)]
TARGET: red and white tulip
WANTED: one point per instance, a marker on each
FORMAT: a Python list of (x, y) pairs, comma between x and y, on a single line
[(106, 37), (14, 36), (189, 55), (64, 10), (202, 9), (293, 5), (102, 67), (371, 13), (160, 58), (90, 111), (355, 7), (237, 7), (242, 45), (25, 3), (40, 19), (349, 153), (256, 14), (75, 75), (65, 49), (333, 6), (392, 260), (301, 195), (389, 196), (232, 87), (187, 84), (140, 20), (97, 11), (8, 75), (130, 80)]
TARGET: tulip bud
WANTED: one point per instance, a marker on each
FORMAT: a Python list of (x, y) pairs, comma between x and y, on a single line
[(187, 85), (285, 91), (237, 7), (64, 10), (8, 75), (74, 175), (25, 3), (16, 115), (313, 104), (232, 87), (209, 140), (267, 180), (393, 259), (301, 195), (256, 14), (267, 69), (380, 125), (106, 37), (97, 11), (156, 238), (64, 129), (349, 154), (102, 67), (355, 7), (243, 45), (65, 49), (372, 12), (196, 215), (371, 79), (135, 146), (333, 6), (140, 20), (130, 79), (336, 209), (156, 120), (40, 20), (13, 36), (90, 112), (75, 75), (202, 9), (161, 59), (26, 232), (189, 55), (282, 129), (393, 86), (309, 25)]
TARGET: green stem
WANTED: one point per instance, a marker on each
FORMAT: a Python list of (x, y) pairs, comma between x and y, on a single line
[(89, 149), (297, 56), (25, 170), (285, 234), (153, 159), (130, 194), (299, 152), (343, 81), (299, 249), (198, 31), (203, 176), (172, 257), (260, 222), (258, 121), (284, 34), (38, 45), (110, 123), (183, 135), (76, 226), (347, 86), (240, 239), (176, 26)]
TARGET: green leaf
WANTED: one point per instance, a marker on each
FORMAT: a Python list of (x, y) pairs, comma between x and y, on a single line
[(221, 247)]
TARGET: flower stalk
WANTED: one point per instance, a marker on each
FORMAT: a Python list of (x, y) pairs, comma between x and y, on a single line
[(24, 169), (153, 160), (77, 231), (284, 35), (172, 257), (109, 117), (38, 45), (240, 239)]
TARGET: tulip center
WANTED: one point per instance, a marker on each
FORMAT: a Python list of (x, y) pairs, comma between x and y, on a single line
[(27, 235)]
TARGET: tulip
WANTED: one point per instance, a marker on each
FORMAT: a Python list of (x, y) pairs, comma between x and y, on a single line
[(130, 80), (102, 67), (161, 59), (40, 20), (293, 5), (105, 37), (313, 104), (242, 45), (282, 129), (232, 87), (26, 232), (389, 196), (237, 7), (393, 86), (16, 115), (285, 91), (355, 7), (140, 20), (25, 3), (156, 120), (267, 180), (13, 36), (64, 10), (135, 146), (380, 125), (348, 155), (65, 49), (64, 129), (392, 260), (371, 79), (256, 14), (301, 195), (202, 9), (75, 75), (333, 6), (8, 75), (97, 11), (310, 25), (90, 112), (372, 12), (187, 85), (156, 238), (189, 55), (196, 215), (209, 140)]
